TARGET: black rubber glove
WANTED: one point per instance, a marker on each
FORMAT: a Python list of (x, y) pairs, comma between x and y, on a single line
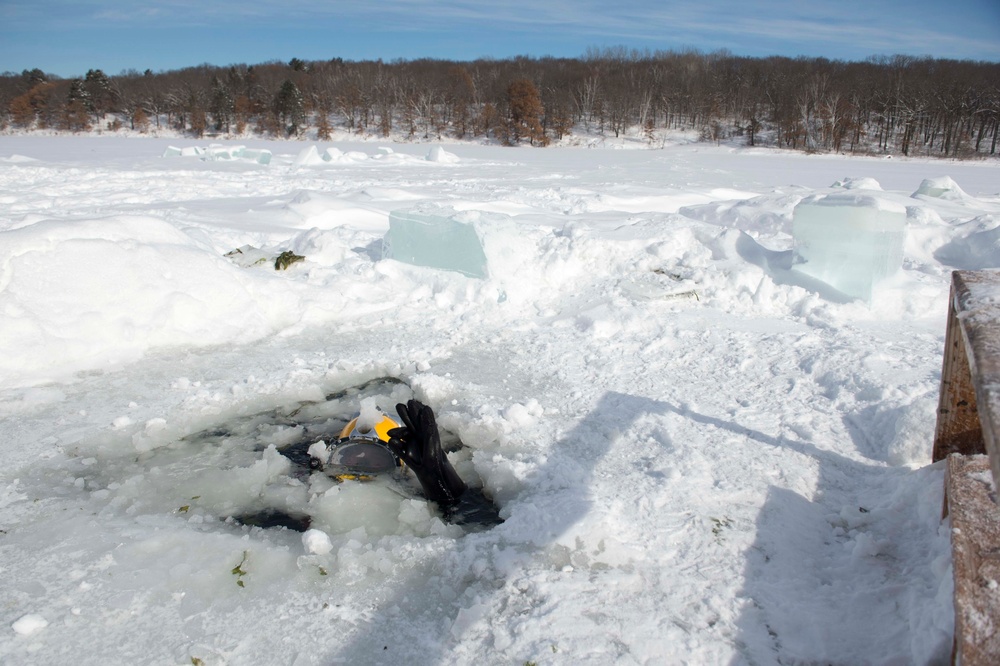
[(418, 444)]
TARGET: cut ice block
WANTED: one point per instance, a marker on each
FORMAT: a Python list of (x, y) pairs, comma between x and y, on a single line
[(262, 156), (435, 241), (220, 153), (439, 154), (850, 241), (216, 152)]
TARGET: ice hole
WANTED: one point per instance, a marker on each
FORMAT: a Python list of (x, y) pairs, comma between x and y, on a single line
[(262, 471)]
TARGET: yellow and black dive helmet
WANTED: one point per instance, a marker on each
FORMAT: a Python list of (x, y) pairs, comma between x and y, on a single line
[(362, 450)]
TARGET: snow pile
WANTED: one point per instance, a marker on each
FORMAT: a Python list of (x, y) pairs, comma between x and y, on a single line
[(312, 157), (439, 154), (700, 453), (976, 247), (323, 211), (101, 292), (858, 184), (940, 188)]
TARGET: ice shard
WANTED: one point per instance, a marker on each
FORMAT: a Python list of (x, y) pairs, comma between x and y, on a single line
[(849, 240), (436, 241)]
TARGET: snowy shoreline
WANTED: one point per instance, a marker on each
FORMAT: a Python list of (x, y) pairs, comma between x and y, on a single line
[(737, 477)]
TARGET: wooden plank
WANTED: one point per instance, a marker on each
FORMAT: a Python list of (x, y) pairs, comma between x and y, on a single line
[(958, 428), (975, 539), (969, 404)]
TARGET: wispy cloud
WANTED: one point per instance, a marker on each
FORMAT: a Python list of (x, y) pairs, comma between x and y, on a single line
[(909, 26)]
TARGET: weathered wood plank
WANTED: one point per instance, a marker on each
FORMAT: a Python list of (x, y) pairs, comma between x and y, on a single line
[(975, 540), (958, 428), (977, 307), (967, 428)]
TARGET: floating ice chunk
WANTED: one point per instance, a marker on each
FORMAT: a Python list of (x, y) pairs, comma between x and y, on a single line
[(940, 188), (319, 450), (851, 241), (29, 624), (172, 151), (435, 241), (317, 542), (192, 151), (439, 154)]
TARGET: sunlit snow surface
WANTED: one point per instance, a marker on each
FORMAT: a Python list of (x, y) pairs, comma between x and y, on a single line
[(700, 455)]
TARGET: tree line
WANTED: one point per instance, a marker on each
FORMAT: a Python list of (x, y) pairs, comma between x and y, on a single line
[(889, 104)]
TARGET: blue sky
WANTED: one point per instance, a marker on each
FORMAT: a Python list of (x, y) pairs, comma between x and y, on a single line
[(68, 37)]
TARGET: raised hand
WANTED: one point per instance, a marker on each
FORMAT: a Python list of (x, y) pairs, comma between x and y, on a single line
[(418, 444)]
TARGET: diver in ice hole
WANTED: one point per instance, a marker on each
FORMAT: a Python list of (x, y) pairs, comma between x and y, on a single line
[(365, 450)]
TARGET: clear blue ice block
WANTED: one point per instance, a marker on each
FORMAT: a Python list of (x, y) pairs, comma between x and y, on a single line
[(435, 241), (848, 240)]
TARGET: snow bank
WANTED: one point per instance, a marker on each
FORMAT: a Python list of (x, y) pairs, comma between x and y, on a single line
[(940, 188), (324, 211), (96, 293), (976, 245), (312, 157)]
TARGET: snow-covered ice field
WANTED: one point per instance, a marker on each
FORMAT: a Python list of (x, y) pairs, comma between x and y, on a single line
[(700, 456)]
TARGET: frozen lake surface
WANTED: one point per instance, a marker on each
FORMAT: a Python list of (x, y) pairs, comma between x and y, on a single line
[(700, 456)]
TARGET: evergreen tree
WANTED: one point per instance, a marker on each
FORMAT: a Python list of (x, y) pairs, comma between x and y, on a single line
[(34, 77), (197, 118), (289, 107), (100, 95), (77, 107), (221, 106)]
